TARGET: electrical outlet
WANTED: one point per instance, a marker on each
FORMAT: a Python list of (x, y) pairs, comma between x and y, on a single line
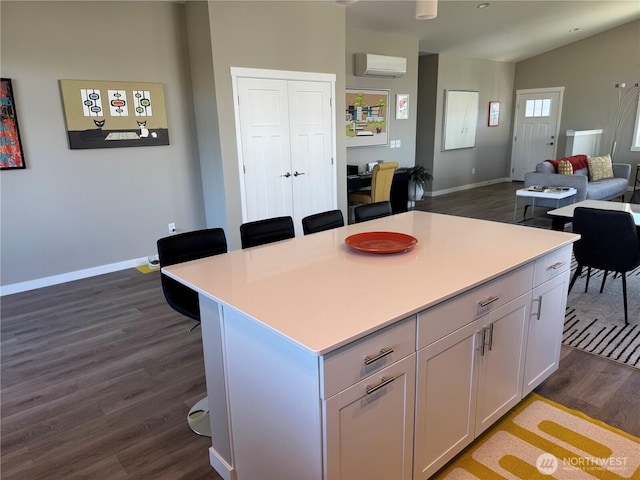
[(473, 171), (172, 228)]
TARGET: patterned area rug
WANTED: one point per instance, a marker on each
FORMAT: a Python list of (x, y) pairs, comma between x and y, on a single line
[(594, 321), (541, 439)]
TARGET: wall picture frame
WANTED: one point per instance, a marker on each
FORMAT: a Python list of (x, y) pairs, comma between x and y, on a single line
[(11, 153), (494, 113), (110, 114), (367, 117), (402, 106)]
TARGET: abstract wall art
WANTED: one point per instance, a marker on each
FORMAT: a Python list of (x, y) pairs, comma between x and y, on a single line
[(11, 155)]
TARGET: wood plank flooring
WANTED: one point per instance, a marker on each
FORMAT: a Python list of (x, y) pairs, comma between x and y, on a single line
[(97, 375)]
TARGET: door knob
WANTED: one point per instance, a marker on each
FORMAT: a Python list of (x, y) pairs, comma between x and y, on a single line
[(550, 143), (297, 173), (286, 175)]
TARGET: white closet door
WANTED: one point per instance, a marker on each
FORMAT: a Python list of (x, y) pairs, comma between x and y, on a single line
[(310, 114), (266, 154)]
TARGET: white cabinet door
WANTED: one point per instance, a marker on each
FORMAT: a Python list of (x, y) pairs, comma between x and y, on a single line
[(369, 426), (286, 135), (501, 361), (445, 397), (266, 148), (546, 321), (312, 166)]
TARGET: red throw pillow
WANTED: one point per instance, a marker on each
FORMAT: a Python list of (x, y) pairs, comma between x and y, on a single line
[(577, 162)]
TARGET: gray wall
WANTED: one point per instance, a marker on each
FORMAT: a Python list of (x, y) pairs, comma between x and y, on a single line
[(589, 70), (363, 41), (72, 210), (452, 169), (295, 36)]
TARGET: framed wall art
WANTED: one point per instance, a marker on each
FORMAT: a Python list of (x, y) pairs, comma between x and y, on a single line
[(460, 119), (402, 106), (494, 113), (11, 155), (367, 117), (104, 114)]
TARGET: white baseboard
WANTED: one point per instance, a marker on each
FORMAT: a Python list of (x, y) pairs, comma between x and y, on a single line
[(466, 187), (70, 276)]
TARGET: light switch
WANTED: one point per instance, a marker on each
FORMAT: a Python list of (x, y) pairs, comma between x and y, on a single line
[(392, 144), (397, 143)]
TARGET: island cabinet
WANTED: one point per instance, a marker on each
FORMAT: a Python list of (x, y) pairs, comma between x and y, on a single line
[(323, 363), (481, 352)]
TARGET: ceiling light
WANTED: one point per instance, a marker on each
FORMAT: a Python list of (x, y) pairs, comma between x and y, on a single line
[(483, 5), (426, 9), (574, 30)]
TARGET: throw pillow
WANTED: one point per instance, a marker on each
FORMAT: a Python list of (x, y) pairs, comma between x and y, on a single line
[(600, 167), (565, 167)]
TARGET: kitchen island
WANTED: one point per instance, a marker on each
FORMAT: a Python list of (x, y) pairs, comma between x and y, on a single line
[(316, 355)]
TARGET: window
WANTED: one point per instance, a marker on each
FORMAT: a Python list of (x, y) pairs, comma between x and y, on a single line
[(538, 108)]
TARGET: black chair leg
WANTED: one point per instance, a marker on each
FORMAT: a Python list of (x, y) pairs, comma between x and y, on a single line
[(575, 277), (624, 296), (586, 286), (604, 279), (524, 214)]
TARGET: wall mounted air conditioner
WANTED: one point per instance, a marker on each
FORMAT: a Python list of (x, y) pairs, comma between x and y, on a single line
[(370, 65)]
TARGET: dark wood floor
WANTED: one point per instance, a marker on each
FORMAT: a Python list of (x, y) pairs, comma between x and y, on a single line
[(97, 375)]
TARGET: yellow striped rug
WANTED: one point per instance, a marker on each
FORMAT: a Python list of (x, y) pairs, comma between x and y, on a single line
[(540, 439)]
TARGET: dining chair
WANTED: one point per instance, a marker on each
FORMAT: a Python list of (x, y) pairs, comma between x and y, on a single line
[(261, 232), (372, 211), (185, 247), (608, 241), (381, 180), (320, 222)]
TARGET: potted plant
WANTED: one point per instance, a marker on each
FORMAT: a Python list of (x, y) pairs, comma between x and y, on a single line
[(418, 178)]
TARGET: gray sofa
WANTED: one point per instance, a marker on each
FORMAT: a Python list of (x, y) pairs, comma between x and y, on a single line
[(605, 189)]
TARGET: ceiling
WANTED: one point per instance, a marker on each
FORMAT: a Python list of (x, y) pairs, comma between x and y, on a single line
[(505, 31)]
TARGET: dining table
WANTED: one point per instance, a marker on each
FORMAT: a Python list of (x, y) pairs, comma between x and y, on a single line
[(561, 216)]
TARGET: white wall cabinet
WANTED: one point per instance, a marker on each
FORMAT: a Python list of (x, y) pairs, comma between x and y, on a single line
[(286, 138)]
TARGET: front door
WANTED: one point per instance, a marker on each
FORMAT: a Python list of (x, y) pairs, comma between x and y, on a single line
[(536, 129)]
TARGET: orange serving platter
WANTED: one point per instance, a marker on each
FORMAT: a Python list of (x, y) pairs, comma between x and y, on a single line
[(381, 242)]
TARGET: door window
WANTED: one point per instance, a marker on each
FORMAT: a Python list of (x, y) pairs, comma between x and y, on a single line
[(540, 107)]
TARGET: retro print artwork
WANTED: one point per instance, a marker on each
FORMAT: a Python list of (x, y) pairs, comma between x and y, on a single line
[(10, 147), (102, 114)]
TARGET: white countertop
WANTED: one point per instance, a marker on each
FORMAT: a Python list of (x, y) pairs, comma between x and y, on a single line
[(632, 208), (321, 295)]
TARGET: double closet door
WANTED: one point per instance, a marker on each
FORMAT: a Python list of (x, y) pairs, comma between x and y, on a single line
[(286, 147)]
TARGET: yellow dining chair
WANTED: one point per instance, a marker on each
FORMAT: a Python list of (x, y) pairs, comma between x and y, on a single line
[(381, 179)]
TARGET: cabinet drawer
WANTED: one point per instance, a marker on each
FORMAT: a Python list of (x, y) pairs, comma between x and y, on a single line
[(354, 362), (552, 265), (447, 317)]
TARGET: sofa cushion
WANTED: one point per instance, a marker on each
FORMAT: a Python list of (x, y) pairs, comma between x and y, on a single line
[(607, 189), (565, 167), (600, 167)]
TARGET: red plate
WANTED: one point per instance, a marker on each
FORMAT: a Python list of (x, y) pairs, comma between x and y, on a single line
[(381, 242)]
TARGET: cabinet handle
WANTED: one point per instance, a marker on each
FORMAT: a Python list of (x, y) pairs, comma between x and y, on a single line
[(488, 301), (369, 359), (286, 175), (538, 313), (384, 381), (297, 173), (490, 337), (556, 266), (482, 332)]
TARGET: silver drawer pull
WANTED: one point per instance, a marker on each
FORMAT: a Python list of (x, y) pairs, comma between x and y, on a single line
[(556, 266), (483, 337), (369, 359), (488, 301), (385, 381)]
